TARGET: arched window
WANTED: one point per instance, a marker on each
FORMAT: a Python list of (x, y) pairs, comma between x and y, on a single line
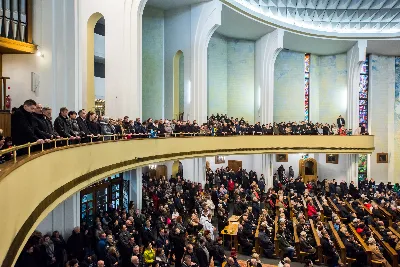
[(179, 90)]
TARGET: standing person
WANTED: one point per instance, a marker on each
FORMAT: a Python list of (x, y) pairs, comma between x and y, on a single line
[(76, 245), (340, 121), (22, 127), (149, 255)]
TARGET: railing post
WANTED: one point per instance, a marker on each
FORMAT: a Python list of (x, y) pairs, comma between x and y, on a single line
[(103, 137), (15, 155), (55, 143), (67, 141), (29, 149), (91, 139), (42, 147)]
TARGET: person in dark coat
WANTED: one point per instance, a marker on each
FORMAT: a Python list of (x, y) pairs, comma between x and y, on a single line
[(82, 122), (265, 243), (340, 121), (329, 250), (178, 243), (92, 125), (22, 127), (40, 124), (76, 244), (62, 125), (202, 254), (219, 253), (300, 187), (27, 259)]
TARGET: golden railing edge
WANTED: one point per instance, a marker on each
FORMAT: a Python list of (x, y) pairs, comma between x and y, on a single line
[(102, 138)]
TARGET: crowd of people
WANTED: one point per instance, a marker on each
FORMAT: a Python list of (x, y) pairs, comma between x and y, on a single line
[(33, 123)]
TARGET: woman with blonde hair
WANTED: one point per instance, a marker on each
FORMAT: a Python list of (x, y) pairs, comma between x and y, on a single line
[(112, 258)]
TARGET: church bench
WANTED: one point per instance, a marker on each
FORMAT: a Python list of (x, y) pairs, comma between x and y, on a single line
[(364, 246), (391, 252), (319, 206), (338, 242), (317, 242)]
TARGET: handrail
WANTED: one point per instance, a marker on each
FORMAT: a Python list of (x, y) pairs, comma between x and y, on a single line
[(114, 137)]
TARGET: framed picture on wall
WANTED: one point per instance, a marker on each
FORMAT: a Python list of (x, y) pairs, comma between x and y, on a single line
[(282, 157), (382, 157), (219, 159), (332, 158)]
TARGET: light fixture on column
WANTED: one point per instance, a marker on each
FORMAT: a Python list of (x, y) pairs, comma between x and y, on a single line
[(39, 53), (152, 167)]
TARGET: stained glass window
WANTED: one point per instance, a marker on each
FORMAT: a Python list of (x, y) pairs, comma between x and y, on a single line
[(363, 115), (307, 60)]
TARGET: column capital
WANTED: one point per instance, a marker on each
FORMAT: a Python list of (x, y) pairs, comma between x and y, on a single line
[(267, 49)]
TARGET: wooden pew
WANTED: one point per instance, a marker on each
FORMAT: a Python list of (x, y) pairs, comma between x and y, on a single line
[(394, 231), (276, 242), (339, 243), (388, 216), (368, 210), (257, 241), (349, 207), (296, 238), (304, 207), (335, 209), (319, 206), (290, 208), (362, 243), (392, 253), (317, 242)]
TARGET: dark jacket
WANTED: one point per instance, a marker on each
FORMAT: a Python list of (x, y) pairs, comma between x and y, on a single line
[(93, 127), (22, 127), (202, 257), (40, 126), (75, 127), (83, 126), (63, 127)]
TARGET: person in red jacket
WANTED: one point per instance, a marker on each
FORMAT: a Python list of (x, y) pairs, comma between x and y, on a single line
[(311, 210), (231, 188)]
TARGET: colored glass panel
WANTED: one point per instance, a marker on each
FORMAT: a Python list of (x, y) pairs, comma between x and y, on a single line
[(363, 115), (307, 61)]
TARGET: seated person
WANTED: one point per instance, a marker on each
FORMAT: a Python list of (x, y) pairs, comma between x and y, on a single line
[(355, 251), (245, 242), (284, 244), (267, 246), (376, 253), (305, 245)]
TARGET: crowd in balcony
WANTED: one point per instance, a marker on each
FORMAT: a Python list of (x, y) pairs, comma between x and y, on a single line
[(33, 123)]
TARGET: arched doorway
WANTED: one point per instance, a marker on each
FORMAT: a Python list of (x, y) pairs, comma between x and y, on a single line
[(89, 94), (179, 90), (308, 169)]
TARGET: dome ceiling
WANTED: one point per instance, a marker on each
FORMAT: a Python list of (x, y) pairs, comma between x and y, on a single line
[(341, 16)]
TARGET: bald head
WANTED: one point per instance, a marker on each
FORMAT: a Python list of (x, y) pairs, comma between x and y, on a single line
[(100, 264), (135, 260)]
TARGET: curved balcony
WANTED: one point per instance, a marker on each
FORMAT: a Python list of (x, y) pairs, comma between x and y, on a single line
[(36, 184)]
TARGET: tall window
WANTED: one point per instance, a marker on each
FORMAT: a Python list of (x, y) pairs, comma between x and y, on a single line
[(363, 115), (307, 59), (98, 197)]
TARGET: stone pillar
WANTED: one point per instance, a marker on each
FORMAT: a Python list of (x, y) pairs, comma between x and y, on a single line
[(355, 58), (352, 168), (267, 49), (262, 165), (205, 19), (194, 170), (63, 218), (136, 184)]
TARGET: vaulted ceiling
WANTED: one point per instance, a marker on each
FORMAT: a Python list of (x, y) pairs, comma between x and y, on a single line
[(343, 16)]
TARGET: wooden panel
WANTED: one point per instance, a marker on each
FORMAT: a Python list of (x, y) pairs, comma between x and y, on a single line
[(161, 170), (234, 164), (5, 122)]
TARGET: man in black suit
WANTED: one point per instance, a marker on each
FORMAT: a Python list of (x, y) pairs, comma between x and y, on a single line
[(23, 126), (340, 121), (354, 250), (329, 250)]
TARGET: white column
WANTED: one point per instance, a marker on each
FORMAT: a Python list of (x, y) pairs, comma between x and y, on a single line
[(194, 170), (63, 218), (267, 49), (169, 168), (136, 183), (355, 58), (352, 168), (205, 19), (262, 165)]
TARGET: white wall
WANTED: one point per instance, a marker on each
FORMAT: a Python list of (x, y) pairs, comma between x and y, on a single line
[(63, 218), (331, 171), (53, 29), (177, 30), (247, 161), (381, 91)]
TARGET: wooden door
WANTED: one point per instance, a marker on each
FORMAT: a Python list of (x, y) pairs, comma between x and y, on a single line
[(234, 164), (161, 170)]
